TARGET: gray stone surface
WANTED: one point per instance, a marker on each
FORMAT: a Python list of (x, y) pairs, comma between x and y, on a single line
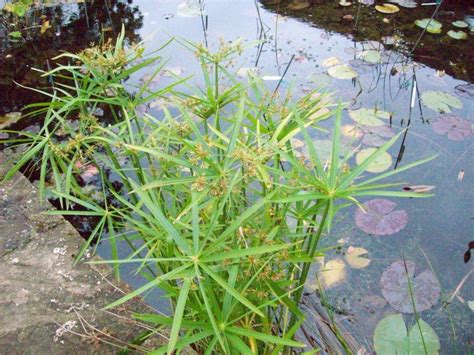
[(48, 305)]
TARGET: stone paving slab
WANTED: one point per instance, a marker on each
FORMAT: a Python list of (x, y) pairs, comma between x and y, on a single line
[(48, 305)]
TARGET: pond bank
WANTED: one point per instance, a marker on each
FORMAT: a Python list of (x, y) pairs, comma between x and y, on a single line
[(43, 294)]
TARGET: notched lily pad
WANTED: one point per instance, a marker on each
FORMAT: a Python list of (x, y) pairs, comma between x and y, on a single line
[(371, 56), (332, 273), (379, 217), (460, 24), (355, 257), (343, 72), (391, 337), (440, 101), (431, 25), (382, 163), (369, 117), (457, 128), (457, 34), (399, 278)]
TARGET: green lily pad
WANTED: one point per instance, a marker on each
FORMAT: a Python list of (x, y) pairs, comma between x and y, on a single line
[(460, 24), (440, 101), (391, 337), (369, 117), (371, 56), (431, 25), (457, 34), (381, 164), (343, 72)]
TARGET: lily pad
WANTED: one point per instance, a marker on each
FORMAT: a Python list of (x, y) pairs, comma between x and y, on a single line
[(392, 338), (320, 79), (440, 101), (331, 61), (343, 72), (400, 287), (387, 8), (457, 34), (190, 8), (382, 163), (355, 259), (332, 273), (460, 24), (369, 117), (345, 3), (380, 217), (407, 4), (9, 119), (298, 5), (371, 56), (375, 136), (431, 25), (457, 129)]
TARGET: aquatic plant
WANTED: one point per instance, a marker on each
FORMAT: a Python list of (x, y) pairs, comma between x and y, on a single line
[(220, 211)]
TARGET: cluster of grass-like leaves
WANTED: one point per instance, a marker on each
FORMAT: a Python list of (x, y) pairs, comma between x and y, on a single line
[(228, 218)]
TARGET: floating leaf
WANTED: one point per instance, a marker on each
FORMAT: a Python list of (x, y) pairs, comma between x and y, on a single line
[(345, 3), (375, 136), (457, 34), (343, 72), (380, 218), (371, 56), (419, 189), (399, 284), (471, 305), (354, 257), (332, 273), (298, 5), (331, 61), (9, 119), (321, 79), (440, 101), (324, 148), (391, 337), (369, 117), (380, 164), (407, 4), (387, 8), (457, 129), (431, 25), (189, 9), (460, 24)]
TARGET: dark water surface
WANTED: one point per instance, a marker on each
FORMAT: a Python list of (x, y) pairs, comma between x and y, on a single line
[(438, 229)]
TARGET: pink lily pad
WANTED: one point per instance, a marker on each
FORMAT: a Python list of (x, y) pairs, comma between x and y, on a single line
[(397, 280), (380, 218), (455, 127)]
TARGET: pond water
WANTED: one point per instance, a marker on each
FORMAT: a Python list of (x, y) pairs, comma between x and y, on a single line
[(433, 233)]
